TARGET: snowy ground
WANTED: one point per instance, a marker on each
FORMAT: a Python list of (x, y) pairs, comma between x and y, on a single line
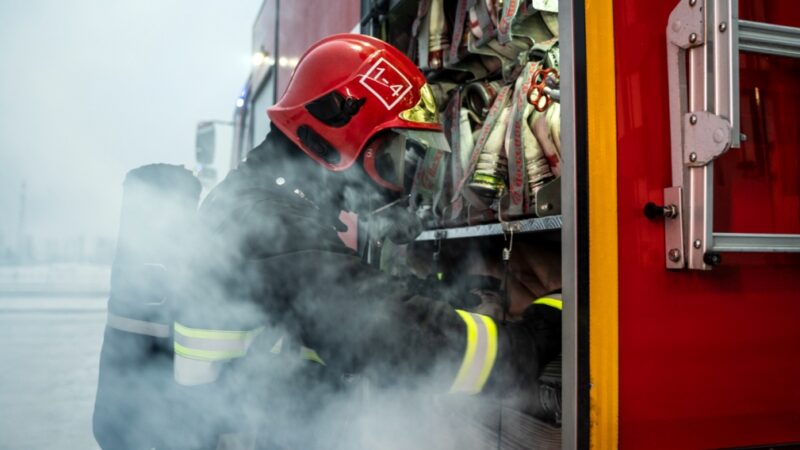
[(49, 348), (54, 278)]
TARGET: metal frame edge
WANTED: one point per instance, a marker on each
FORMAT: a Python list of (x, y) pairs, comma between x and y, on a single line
[(574, 230)]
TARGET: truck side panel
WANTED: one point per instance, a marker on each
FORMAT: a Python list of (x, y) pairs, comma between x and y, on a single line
[(707, 359)]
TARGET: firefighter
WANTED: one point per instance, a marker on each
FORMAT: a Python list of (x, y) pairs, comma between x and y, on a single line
[(278, 312)]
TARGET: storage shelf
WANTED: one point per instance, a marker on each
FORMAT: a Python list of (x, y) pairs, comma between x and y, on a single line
[(494, 229)]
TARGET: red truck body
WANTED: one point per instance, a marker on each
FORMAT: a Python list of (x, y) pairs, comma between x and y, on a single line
[(707, 359)]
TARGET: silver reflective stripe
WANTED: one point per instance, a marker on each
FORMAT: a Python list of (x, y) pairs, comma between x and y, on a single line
[(200, 353), (193, 372), (226, 346), (479, 355), (137, 326)]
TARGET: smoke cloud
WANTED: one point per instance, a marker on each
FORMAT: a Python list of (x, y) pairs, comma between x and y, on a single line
[(263, 254)]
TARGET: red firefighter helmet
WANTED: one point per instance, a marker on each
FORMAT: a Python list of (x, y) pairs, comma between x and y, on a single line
[(347, 88)]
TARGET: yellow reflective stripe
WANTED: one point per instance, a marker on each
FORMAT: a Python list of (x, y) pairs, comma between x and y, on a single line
[(207, 355), (479, 355), (311, 355), (555, 303), (276, 349), (305, 353), (491, 350), (603, 216), (469, 354), (212, 345), (213, 334)]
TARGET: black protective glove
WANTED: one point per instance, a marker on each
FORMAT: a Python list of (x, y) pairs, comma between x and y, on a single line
[(463, 292)]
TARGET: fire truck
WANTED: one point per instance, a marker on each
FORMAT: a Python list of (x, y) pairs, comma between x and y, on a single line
[(676, 211)]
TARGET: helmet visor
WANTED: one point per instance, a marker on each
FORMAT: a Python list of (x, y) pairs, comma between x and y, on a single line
[(392, 159)]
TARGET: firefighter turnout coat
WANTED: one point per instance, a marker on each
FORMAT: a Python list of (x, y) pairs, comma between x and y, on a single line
[(276, 316)]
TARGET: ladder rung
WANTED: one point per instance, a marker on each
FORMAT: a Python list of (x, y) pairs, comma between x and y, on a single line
[(767, 38), (743, 242)]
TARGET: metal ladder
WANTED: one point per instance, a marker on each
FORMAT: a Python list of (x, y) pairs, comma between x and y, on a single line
[(704, 124)]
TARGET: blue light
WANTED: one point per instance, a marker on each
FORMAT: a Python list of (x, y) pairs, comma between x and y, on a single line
[(243, 94)]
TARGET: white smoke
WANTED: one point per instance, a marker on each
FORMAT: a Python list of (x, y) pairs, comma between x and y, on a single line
[(245, 263)]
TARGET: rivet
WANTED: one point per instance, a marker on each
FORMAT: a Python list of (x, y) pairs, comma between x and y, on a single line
[(693, 38), (697, 243), (674, 255), (723, 26), (545, 207), (280, 181), (743, 137), (692, 3), (693, 119), (693, 157)]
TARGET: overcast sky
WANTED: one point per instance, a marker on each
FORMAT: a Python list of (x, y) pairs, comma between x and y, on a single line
[(90, 89)]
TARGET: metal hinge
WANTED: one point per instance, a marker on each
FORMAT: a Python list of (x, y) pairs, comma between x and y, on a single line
[(706, 137)]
